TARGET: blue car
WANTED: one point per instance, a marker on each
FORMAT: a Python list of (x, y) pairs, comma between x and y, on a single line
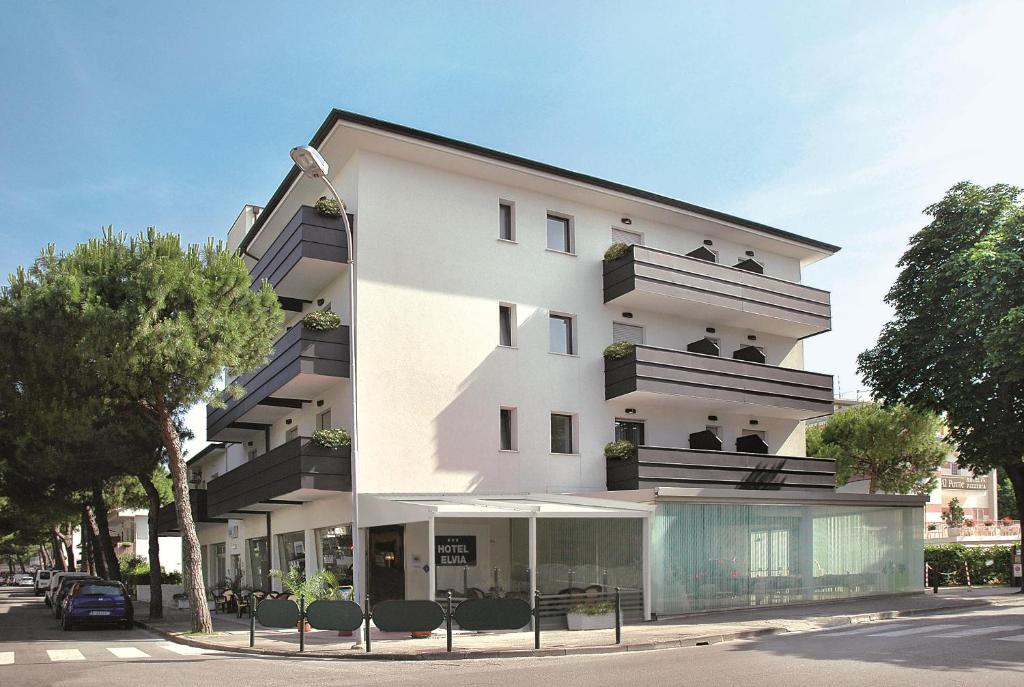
[(97, 602)]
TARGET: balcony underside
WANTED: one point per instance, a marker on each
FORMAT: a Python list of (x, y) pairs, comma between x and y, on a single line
[(167, 519), (677, 467), (657, 281)]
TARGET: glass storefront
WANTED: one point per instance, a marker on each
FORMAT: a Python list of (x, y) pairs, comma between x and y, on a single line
[(259, 562), (708, 556), (220, 571), (292, 550), (574, 554), (335, 552)]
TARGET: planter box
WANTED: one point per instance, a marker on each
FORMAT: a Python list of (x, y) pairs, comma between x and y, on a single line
[(582, 621), (953, 532), (168, 590)]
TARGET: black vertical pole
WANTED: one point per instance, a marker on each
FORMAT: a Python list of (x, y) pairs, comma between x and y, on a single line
[(536, 620), (366, 615), (448, 621), (302, 623), (618, 615), (252, 629)]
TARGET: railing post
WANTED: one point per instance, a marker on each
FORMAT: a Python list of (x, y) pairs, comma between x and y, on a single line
[(536, 620), (448, 621), (618, 615), (366, 616), (302, 623), (252, 629)]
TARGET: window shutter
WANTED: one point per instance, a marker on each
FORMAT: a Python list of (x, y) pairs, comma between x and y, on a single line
[(627, 332), (627, 237)]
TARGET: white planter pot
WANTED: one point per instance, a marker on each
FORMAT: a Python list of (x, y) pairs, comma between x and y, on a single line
[(953, 532), (582, 621)]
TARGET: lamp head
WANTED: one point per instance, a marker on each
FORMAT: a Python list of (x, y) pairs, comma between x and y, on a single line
[(310, 161)]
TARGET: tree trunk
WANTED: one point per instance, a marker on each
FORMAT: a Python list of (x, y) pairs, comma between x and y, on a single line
[(1015, 471), (68, 539), (99, 564), (156, 596), (44, 558), (192, 565), (104, 542), (58, 550), (87, 562)]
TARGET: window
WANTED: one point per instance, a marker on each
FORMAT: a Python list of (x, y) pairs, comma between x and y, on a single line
[(629, 430), (628, 237), (560, 234), (507, 429), (291, 433), (251, 453), (506, 222), (560, 329), (561, 433), (323, 420), (627, 332), (292, 551), (506, 324)]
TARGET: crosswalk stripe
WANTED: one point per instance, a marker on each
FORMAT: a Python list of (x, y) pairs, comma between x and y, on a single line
[(184, 649), (873, 627), (975, 631), (6, 658), (1015, 638), (914, 630), (65, 655), (127, 652)]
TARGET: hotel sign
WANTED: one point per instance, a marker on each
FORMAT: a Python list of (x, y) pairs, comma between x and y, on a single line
[(455, 550), (968, 483)]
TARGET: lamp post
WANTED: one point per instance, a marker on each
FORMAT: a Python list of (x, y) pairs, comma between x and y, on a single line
[(314, 166)]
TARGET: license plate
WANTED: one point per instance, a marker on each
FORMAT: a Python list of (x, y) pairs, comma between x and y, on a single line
[(99, 612)]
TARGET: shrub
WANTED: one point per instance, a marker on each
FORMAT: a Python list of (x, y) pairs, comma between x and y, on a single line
[(616, 251), (950, 558), (619, 350), (620, 450), (331, 438), (322, 320), (328, 207), (968, 523), (593, 608), (954, 515)]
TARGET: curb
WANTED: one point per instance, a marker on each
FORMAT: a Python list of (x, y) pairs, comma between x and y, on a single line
[(705, 640)]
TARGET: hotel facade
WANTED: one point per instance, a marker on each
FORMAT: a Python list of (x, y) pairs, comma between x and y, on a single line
[(485, 304)]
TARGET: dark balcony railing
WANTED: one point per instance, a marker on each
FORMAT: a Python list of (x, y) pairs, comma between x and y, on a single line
[(670, 282), (681, 467), (299, 351), (308, 236), (296, 466), (167, 520), (797, 394)]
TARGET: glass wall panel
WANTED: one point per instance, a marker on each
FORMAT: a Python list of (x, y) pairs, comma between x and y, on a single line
[(259, 562), (519, 582), (292, 549), (577, 553), (707, 556), (220, 571), (335, 552)]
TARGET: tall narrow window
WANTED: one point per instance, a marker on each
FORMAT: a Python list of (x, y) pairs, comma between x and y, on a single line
[(506, 324), (506, 226), (292, 433), (560, 234), (632, 432), (561, 433), (323, 420), (560, 329), (507, 429)]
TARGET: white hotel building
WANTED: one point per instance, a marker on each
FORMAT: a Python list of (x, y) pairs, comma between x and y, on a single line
[(485, 305)]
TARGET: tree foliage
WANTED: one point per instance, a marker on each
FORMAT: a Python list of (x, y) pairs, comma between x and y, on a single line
[(896, 448)]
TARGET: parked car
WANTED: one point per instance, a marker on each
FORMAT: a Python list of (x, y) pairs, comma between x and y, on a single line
[(26, 580), (42, 581), (66, 585), (55, 579), (97, 602)]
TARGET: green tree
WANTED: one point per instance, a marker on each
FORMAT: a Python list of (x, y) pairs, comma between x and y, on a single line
[(954, 514), (896, 448), (1007, 503), (956, 342), (152, 326)]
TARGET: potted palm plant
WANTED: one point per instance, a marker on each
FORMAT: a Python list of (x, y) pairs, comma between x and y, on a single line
[(320, 585)]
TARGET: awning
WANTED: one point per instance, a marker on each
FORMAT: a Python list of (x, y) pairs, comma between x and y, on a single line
[(396, 509)]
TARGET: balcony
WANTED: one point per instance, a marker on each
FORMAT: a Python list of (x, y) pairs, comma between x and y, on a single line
[(304, 364), (650, 279), (305, 256), (167, 521), (714, 384), (293, 473), (681, 467)]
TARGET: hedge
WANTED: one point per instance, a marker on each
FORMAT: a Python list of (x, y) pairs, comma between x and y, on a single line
[(946, 558)]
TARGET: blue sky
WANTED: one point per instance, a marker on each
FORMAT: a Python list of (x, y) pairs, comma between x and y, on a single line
[(841, 120)]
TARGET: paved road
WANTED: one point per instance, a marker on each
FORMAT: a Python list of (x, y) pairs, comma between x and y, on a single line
[(981, 647)]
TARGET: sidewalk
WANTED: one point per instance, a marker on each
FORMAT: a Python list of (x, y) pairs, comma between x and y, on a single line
[(232, 634)]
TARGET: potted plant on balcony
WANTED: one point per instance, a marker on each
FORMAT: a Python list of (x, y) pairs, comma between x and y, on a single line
[(321, 320), (953, 516), (619, 350), (620, 450), (616, 251), (331, 438), (591, 615), (328, 207)]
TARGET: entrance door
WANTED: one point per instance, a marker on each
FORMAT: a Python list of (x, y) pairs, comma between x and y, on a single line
[(386, 565)]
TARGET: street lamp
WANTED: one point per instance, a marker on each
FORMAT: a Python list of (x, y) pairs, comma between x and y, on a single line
[(309, 160)]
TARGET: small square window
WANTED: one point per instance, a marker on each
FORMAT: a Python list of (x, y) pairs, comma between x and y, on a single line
[(507, 429), (506, 324), (561, 334), (560, 234), (506, 222), (561, 433), (323, 420), (630, 238)]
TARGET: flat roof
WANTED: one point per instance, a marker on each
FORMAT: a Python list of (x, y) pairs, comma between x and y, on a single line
[(762, 496), (337, 116), (205, 451)]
